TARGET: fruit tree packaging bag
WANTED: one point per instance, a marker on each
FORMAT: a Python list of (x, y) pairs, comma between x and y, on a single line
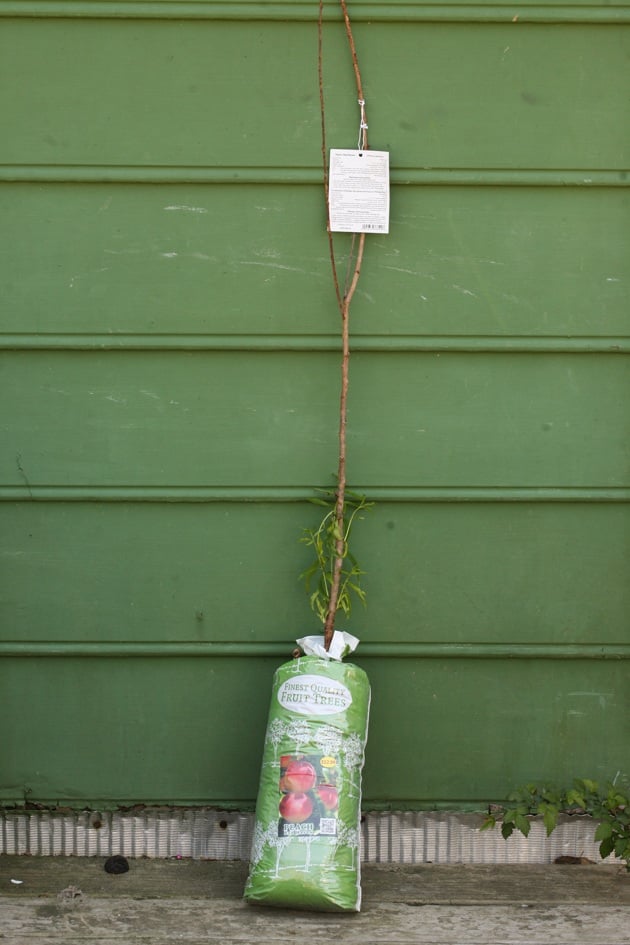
[(306, 844)]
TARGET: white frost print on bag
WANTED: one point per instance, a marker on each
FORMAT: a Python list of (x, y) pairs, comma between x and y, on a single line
[(306, 845)]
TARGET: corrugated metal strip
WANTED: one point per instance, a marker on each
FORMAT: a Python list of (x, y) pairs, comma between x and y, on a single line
[(200, 833), (443, 837)]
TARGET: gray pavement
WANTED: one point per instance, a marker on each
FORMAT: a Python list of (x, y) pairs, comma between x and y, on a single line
[(54, 900)]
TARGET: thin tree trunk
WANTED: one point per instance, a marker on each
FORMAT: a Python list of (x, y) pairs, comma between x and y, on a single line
[(341, 469), (344, 308)]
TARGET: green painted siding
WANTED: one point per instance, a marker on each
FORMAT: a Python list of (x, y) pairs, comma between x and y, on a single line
[(169, 384)]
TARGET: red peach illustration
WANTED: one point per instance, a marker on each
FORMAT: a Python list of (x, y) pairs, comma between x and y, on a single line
[(296, 807), (328, 796), (300, 776)]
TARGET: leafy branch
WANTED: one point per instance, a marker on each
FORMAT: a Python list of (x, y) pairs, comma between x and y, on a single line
[(608, 805), (330, 542)]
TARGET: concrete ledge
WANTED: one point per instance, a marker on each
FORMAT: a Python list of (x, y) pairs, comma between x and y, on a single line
[(159, 902)]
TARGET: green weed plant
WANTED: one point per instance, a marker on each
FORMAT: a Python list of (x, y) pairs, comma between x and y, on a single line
[(608, 804)]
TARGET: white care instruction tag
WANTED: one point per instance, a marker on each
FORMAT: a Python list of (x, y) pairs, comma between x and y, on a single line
[(358, 191)]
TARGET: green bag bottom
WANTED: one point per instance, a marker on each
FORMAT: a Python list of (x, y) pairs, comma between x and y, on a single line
[(297, 891)]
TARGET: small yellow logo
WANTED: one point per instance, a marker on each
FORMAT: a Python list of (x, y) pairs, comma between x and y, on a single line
[(328, 762)]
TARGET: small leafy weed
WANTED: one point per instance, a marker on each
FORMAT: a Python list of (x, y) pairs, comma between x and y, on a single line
[(609, 805)]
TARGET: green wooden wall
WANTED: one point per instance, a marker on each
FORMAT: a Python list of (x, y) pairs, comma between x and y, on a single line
[(169, 357)]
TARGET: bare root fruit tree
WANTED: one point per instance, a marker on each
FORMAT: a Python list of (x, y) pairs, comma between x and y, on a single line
[(344, 299)]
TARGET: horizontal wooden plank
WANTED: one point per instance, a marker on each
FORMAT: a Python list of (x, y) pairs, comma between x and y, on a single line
[(238, 418), (248, 342), (129, 730), (443, 581), (194, 261), (579, 11), (186, 922), (230, 921), (599, 925), (208, 880), (198, 98), (28, 492), (251, 174), (424, 651)]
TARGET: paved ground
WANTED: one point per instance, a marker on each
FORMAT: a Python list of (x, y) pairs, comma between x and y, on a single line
[(161, 902)]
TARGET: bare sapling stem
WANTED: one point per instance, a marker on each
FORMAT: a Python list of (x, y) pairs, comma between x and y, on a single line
[(344, 308), (353, 51), (340, 545)]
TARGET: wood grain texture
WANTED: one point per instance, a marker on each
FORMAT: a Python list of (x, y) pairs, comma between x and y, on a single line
[(200, 902)]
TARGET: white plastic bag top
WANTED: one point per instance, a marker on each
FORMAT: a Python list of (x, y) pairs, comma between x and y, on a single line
[(342, 645)]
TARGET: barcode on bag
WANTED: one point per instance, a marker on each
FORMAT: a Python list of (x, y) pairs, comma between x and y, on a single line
[(373, 226), (328, 826)]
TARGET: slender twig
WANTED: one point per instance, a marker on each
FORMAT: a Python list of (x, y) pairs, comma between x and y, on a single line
[(353, 53), (344, 308), (322, 108)]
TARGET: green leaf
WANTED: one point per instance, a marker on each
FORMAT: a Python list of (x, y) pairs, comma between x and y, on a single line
[(575, 798), (552, 796), (616, 800), (604, 830), (606, 847), (522, 823), (622, 848), (309, 573), (489, 823), (550, 819), (507, 829)]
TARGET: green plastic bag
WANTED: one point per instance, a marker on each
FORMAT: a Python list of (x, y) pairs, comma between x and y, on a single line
[(306, 844)]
